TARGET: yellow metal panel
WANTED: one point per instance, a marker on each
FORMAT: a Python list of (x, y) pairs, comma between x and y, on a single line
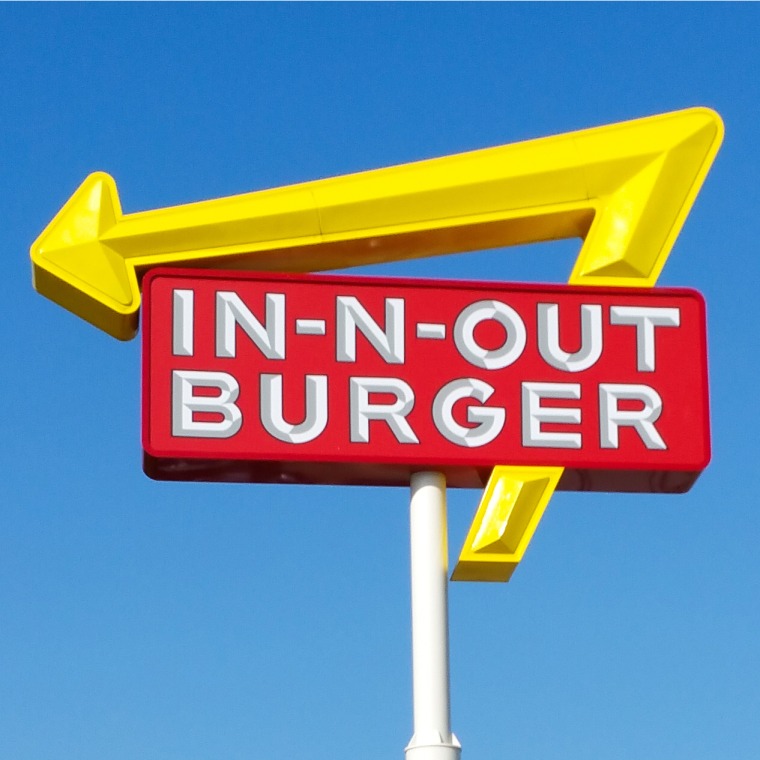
[(511, 507)]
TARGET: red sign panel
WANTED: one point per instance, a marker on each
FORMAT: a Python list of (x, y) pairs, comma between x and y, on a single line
[(326, 379)]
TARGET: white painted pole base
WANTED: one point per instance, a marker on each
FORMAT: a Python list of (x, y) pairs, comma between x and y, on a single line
[(432, 739), (434, 751)]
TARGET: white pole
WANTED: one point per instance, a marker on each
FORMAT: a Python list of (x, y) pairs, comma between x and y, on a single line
[(432, 739)]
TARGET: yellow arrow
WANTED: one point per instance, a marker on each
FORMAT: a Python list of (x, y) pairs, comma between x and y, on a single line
[(624, 188), (515, 498)]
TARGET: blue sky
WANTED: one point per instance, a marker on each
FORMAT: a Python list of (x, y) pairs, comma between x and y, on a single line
[(160, 621)]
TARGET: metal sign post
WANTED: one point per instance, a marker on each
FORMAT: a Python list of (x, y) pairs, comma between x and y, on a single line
[(432, 738)]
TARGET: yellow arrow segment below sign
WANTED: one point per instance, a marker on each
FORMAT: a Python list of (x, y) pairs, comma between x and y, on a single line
[(512, 506), (625, 189)]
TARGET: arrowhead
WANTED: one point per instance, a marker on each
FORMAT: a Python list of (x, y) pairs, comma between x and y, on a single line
[(71, 266)]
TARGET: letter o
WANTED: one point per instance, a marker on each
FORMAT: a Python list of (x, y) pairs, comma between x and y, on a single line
[(507, 317)]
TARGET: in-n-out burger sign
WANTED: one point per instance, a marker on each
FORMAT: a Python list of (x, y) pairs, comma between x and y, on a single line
[(323, 379)]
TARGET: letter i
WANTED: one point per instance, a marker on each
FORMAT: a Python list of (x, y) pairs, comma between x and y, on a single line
[(182, 322)]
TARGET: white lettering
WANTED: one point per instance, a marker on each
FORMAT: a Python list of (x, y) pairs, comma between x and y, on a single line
[(533, 415), (591, 338), (488, 421), (645, 319), (315, 415), (185, 404), (389, 343), (641, 420), (182, 322), (393, 414), (464, 335), (231, 311)]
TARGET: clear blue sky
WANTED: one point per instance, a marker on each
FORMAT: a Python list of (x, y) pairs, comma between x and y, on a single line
[(195, 622)]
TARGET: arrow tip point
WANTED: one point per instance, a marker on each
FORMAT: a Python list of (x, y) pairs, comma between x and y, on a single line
[(71, 266)]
